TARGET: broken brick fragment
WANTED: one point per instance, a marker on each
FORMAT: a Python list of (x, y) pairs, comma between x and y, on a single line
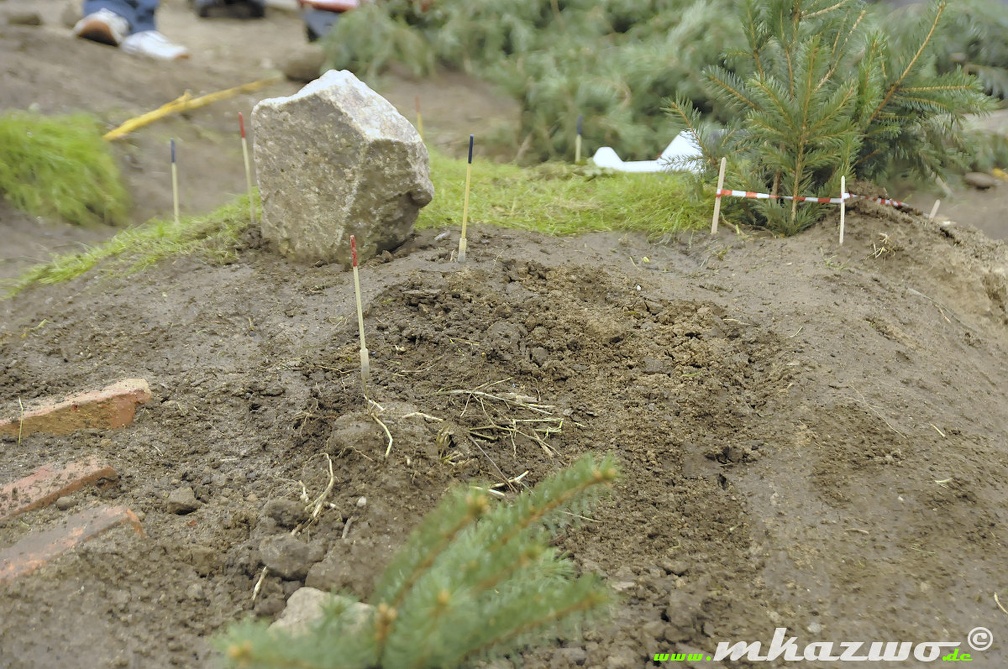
[(37, 549), (111, 407), (48, 483)]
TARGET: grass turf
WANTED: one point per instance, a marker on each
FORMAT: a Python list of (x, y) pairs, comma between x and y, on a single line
[(553, 199), (60, 167)]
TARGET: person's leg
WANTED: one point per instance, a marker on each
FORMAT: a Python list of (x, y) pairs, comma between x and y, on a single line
[(106, 21), (129, 24), (145, 11), (123, 8), (145, 40), (318, 22)]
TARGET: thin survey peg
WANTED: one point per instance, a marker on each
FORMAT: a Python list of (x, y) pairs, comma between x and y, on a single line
[(465, 203), (248, 167), (174, 178), (577, 140)]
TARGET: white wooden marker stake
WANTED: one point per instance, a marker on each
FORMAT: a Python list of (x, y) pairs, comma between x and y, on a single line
[(843, 205), (174, 181), (365, 364), (577, 141), (248, 169), (934, 210), (465, 205), (717, 196), (419, 118)]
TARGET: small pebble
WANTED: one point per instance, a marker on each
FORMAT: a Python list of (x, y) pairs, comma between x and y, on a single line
[(362, 502), (182, 501), (64, 503)]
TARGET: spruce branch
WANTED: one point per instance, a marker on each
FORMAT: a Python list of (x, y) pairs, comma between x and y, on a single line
[(254, 646), (729, 87), (684, 116), (756, 34), (840, 49), (528, 556), (460, 510), (467, 580), (586, 597), (826, 10), (551, 496), (894, 86), (460, 601)]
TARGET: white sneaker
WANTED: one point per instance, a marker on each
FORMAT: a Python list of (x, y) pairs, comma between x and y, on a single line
[(153, 44), (103, 26)]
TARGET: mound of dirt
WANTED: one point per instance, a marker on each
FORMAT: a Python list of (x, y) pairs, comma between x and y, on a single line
[(812, 436)]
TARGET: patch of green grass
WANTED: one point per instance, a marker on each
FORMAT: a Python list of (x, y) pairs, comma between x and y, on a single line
[(60, 167), (553, 199), (215, 235), (558, 199)]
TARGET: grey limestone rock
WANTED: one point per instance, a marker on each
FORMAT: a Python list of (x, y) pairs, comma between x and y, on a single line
[(306, 607), (333, 160)]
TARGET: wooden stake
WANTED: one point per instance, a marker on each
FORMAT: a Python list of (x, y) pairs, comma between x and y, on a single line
[(174, 181), (843, 205), (934, 210), (465, 204), (248, 168), (419, 118), (365, 364), (577, 141), (717, 196)]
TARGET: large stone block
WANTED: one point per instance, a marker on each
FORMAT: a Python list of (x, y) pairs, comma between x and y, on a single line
[(333, 160)]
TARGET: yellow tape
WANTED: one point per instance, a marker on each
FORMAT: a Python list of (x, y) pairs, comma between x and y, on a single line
[(185, 102)]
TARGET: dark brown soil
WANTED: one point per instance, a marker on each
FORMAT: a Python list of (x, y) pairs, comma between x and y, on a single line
[(811, 436)]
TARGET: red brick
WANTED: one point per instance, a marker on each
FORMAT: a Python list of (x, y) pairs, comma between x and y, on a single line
[(111, 407), (39, 548), (46, 484)]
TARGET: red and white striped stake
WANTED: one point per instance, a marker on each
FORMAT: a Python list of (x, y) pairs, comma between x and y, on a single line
[(465, 205), (248, 169), (365, 364), (842, 200), (809, 198), (717, 197), (419, 118), (174, 181), (843, 205)]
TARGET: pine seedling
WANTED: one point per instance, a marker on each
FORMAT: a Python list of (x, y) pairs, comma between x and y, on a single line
[(816, 96), (916, 121), (471, 580)]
